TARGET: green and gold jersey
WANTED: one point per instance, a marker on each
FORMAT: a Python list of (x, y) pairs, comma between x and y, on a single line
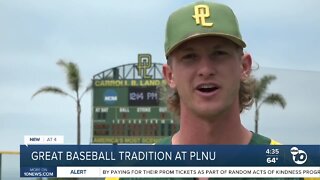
[(256, 139)]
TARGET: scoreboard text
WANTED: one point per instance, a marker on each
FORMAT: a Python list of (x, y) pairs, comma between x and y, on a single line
[(130, 107)]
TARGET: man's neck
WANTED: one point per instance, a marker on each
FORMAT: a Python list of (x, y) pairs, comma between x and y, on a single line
[(224, 130)]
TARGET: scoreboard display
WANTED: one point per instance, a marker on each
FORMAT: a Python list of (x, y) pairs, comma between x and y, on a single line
[(129, 107), (143, 96)]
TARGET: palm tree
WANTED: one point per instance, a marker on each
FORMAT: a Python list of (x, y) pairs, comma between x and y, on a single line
[(74, 81), (262, 97)]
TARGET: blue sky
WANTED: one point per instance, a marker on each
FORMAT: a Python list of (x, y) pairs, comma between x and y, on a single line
[(282, 36)]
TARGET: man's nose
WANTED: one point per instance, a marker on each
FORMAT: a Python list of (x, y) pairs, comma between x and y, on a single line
[(206, 67)]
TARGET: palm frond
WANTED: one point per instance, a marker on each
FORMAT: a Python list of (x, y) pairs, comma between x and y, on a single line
[(88, 88), (275, 99), (73, 74), (51, 89), (262, 85)]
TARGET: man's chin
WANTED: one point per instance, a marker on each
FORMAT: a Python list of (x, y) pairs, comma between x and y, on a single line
[(208, 114)]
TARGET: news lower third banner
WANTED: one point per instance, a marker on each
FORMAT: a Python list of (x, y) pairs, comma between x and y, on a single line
[(92, 161)]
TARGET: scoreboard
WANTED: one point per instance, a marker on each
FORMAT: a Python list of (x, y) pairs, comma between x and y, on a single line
[(129, 104)]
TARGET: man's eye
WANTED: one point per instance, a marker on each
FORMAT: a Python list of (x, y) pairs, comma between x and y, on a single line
[(189, 56), (220, 52)]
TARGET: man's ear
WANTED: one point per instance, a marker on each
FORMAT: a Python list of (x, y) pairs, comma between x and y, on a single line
[(246, 65), (168, 75)]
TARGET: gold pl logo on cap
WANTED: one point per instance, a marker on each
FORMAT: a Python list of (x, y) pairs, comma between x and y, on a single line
[(201, 12)]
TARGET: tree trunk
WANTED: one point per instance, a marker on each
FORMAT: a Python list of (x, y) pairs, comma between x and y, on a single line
[(78, 122), (256, 121)]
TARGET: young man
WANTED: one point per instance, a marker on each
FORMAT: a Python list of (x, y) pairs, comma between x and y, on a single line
[(209, 76)]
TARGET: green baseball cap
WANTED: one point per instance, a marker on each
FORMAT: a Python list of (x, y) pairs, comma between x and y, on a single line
[(199, 19)]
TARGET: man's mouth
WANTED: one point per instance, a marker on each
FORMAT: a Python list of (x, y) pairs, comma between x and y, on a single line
[(207, 88)]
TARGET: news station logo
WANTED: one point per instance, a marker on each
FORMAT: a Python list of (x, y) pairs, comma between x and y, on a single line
[(298, 156), (110, 96)]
